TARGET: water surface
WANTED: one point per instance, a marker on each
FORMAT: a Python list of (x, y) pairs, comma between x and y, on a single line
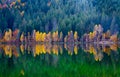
[(59, 60)]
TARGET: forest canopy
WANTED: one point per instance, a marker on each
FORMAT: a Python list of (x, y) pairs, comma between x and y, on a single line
[(59, 15)]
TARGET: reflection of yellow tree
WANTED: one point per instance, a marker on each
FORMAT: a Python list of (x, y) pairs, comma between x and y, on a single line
[(22, 48), (65, 46), (43, 49), (48, 48), (107, 50), (8, 50), (55, 49), (15, 52), (70, 52), (39, 49), (98, 56), (92, 50), (76, 49), (28, 48), (61, 49), (114, 47)]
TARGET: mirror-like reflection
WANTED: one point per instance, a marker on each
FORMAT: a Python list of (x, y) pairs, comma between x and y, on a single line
[(75, 59), (94, 49)]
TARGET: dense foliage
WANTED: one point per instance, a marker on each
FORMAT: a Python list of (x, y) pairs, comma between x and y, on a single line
[(59, 15)]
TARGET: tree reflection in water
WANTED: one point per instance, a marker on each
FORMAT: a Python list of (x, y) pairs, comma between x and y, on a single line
[(87, 59), (98, 50)]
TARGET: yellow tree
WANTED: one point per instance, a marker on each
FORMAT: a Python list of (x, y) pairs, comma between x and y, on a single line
[(40, 36), (76, 36), (22, 48), (8, 50), (43, 37), (76, 49), (55, 49), (91, 36), (22, 37), (8, 35)]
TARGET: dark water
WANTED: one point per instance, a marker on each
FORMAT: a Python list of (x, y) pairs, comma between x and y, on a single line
[(58, 60)]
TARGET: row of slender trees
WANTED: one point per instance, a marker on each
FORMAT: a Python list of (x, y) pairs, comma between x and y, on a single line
[(36, 36), (98, 35)]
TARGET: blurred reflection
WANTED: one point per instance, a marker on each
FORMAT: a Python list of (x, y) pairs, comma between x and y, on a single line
[(97, 50)]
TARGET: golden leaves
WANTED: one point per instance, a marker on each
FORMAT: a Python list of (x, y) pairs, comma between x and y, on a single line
[(22, 37), (8, 50), (8, 35), (76, 36), (114, 38)]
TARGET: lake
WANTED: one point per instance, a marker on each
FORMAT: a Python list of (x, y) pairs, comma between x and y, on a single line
[(59, 60)]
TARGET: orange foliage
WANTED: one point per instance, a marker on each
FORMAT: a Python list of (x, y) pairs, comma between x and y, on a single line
[(107, 50), (15, 34), (113, 47), (107, 35), (8, 35), (114, 38)]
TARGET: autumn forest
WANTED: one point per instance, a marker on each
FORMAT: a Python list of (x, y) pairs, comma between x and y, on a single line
[(22, 17), (59, 38)]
